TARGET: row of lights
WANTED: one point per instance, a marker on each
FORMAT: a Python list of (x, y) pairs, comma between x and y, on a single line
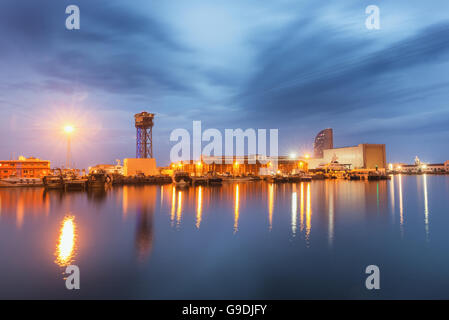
[(293, 156), (390, 166)]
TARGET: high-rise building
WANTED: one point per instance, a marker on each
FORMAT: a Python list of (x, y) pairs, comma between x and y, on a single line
[(324, 140)]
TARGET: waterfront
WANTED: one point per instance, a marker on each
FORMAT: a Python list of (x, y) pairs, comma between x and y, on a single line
[(251, 240)]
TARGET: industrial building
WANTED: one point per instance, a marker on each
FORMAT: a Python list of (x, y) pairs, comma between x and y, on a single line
[(24, 168), (239, 166), (362, 156), (143, 166), (144, 163)]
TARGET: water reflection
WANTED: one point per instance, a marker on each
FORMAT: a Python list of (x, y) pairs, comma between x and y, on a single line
[(301, 219), (270, 205), (179, 211), (392, 196), (65, 249), (97, 195), (294, 210), (144, 232), (236, 208), (125, 201), (426, 207), (308, 214), (401, 206), (199, 207), (355, 200), (331, 216), (173, 206), (347, 217)]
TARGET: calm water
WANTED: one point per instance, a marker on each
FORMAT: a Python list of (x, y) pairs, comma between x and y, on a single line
[(247, 240)]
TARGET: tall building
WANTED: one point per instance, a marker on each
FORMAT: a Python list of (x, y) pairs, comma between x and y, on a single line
[(324, 140)]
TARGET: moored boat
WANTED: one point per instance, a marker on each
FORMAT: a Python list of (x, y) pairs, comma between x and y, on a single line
[(98, 179), (53, 182), (14, 182), (181, 178)]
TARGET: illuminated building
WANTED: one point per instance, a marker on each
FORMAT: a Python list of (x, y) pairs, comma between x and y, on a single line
[(24, 168), (362, 156), (240, 166)]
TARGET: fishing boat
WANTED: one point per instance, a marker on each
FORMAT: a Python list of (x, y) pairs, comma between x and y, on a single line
[(13, 182), (181, 178), (53, 182), (98, 179)]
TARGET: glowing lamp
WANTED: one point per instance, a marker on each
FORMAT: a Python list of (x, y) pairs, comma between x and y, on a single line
[(69, 129)]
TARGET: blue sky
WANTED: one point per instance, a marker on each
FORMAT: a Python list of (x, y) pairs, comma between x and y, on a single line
[(299, 66)]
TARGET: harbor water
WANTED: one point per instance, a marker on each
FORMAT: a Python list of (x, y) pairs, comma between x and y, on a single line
[(246, 240)]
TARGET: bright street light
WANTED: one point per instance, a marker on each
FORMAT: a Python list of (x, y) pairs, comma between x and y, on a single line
[(69, 129)]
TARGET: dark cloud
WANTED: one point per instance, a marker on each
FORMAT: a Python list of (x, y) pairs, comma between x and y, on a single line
[(329, 75), (288, 65)]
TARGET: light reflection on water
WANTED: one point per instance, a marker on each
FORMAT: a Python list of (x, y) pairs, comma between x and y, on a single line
[(207, 235), (65, 250)]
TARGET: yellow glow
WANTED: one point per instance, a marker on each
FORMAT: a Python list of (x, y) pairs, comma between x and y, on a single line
[(236, 209), (125, 201), (173, 205), (401, 207), (20, 212), (424, 166), (179, 211), (69, 129), (307, 156), (308, 213), (390, 166), (270, 164), (301, 217), (270, 205), (199, 207), (180, 165), (292, 155), (199, 164), (294, 211), (426, 208), (66, 244), (301, 164), (331, 216)]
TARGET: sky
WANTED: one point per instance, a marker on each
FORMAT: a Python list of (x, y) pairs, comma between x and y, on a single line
[(296, 66)]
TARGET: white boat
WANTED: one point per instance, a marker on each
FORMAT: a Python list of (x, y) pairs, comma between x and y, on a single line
[(333, 166), (15, 182)]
